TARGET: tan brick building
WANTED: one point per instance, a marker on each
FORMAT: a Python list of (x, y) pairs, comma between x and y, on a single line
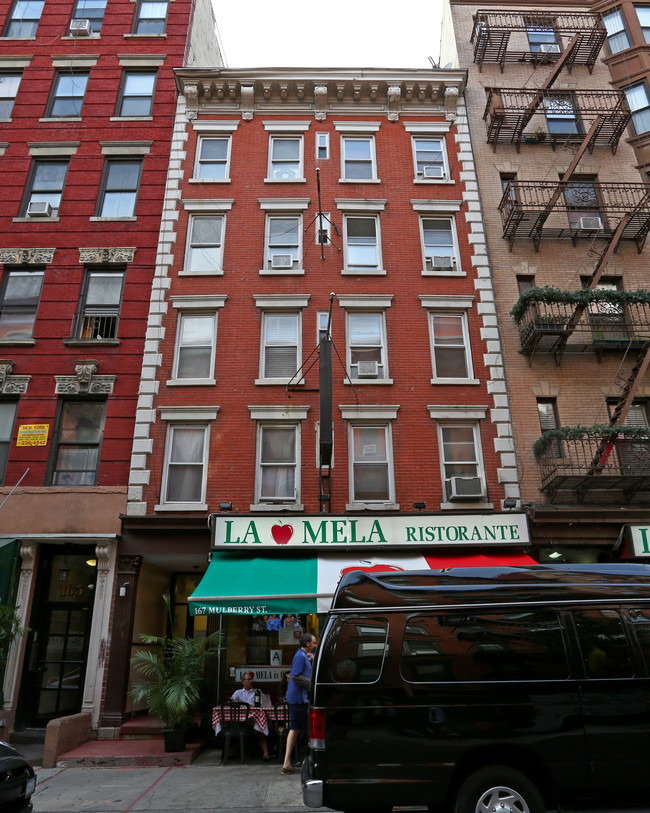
[(564, 208)]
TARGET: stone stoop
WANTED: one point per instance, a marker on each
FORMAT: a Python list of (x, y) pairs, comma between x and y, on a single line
[(127, 753)]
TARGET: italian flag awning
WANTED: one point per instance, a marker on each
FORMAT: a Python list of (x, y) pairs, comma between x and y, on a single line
[(255, 585)]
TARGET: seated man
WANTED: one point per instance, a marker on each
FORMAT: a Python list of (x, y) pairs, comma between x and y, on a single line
[(247, 695)]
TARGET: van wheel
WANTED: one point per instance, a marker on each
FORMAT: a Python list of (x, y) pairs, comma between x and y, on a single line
[(498, 789)]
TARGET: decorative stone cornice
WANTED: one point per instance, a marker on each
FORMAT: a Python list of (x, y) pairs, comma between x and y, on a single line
[(26, 256), (12, 384), (320, 102), (102, 256), (451, 103), (84, 381), (394, 96), (191, 100)]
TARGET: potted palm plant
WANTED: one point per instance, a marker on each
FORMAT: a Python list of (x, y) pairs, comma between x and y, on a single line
[(172, 674)]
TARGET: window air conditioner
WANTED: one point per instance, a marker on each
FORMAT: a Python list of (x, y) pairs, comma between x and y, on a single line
[(39, 208), (549, 48), (465, 488), (589, 223), (434, 171), (80, 28), (281, 261), (437, 262), (367, 369)]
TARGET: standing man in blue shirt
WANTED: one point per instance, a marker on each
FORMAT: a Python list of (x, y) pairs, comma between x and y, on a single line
[(297, 696)]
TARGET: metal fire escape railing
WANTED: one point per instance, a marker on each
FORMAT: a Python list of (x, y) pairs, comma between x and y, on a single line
[(501, 36)]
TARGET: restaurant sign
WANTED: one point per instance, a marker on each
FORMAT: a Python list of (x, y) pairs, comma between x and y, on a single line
[(341, 531)]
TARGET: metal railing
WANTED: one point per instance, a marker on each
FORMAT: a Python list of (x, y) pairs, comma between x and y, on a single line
[(98, 326)]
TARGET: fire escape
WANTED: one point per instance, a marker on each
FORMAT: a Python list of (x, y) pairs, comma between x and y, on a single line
[(608, 460)]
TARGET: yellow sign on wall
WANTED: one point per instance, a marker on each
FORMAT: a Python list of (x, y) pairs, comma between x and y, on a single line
[(33, 434)]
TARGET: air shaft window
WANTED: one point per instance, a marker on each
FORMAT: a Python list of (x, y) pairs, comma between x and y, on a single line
[(360, 650), (504, 647)]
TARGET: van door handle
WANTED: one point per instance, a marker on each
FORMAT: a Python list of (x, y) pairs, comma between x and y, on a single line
[(436, 716)]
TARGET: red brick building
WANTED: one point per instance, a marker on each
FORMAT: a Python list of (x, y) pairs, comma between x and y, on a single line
[(296, 197), (87, 104)]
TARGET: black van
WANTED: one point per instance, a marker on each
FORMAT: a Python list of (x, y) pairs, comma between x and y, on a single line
[(484, 690)]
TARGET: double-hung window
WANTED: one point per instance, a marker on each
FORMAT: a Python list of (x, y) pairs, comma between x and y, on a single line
[(643, 14), (285, 158), (196, 336), (186, 464), (371, 474), (68, 93), (561, 116), (77, 444), (9, 83), (20, 295), (637, 98), (358, 159), (45, 188), (439, 243), (24, 18), (91, 10), (430, 158), (213, 158), (136, 93), (322, 146), (542, 38), (281, 346), (150, 17), (366, 346), (7, 419), (362, 243), (99, 306), (450, 346), (462, 466), (278, 455), (549, 420), (617, 37), (119, 189), (283, 243), (204, 254)]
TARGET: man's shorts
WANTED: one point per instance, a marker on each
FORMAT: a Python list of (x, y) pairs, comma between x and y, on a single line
[(298, 719)]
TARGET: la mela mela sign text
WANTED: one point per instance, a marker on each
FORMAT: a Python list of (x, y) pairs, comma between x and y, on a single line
[(319, 530)]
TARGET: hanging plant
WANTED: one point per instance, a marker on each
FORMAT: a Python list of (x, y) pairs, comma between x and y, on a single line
[(598, 431), (583, 296)]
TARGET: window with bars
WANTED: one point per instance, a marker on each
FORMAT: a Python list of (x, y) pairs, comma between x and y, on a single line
[(280, 345), (561, 114), (99, 307)]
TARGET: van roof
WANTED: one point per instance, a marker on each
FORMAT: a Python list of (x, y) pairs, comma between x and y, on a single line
[(491, 585)]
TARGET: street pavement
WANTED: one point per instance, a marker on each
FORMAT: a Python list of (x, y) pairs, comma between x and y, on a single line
[(206, 785)]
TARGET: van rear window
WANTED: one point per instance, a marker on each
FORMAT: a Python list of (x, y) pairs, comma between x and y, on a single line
[(486, 647), (357, 651)]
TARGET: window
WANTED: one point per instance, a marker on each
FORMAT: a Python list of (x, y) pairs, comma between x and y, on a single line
[(213, 159), (91, 10), (322, 322), (151, 17), (549, 419), (371, 475), (438, 238), (461, 465), (9, 83), (617, 38), (204, 253), (542, 39), (450, 346), (608, 320), (603, 644), (136, 93), (561, 118), (509, 187), (283, 243), (643, 13), (119, 190), (322, 146), (186, 462), (430, 158), (362, 251), (45, 187), (524, 283), (24, 17), (21, 292), (78, 442), (637, 98), (366, 346), (285, 158), (99, 306), (583, 208), (7, 418), (281, 348), (196, 337), (67, 96), (278, 455), (356, 650), (358, 158)]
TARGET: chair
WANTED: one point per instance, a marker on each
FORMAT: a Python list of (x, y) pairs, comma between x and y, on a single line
[(280, 716), (234, 723)]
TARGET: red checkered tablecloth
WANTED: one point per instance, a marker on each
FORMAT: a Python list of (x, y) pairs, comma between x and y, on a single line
[(260, 717)]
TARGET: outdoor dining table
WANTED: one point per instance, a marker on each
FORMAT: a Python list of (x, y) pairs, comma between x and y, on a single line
[(259, 715)]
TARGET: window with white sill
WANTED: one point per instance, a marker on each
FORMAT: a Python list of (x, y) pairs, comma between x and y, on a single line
[(285, 158), (439, 244), (213, 158), (9, 84), (366, 346), (281, 346), (358, 159), (196, 339), (361, 243), (430, 156), (283, 243), (461, 460), (450, 347), (205, 243), (371, 463), (277, 479), (185, 464)]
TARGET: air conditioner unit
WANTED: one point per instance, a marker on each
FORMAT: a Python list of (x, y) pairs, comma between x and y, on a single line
[(464, 488), (437, 262), (367, 369), (281, 261), (589, 223), (549, 48), (80, 28), (434, 171), (39, 208)]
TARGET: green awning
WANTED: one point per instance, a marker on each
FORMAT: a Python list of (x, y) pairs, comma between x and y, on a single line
[(8, 565)]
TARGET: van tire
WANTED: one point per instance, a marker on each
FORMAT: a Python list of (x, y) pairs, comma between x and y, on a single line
[(500, 789)]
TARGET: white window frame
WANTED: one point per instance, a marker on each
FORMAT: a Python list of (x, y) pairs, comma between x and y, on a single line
[(444, 162), (195, 305), (639, 112), (322, 320), (616, 29), (478, 461), (432, 271), (278, 502), (387, 428), (179, 346), (297, 267), (277, 137), (376, 269), (179, 505), (448, 305), (190, 246), (327, 228), (383, 348), (201, 140), (322, 142), (348, 138), (266, 315)]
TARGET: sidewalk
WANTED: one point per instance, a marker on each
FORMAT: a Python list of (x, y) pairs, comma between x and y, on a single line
[(205, 785)]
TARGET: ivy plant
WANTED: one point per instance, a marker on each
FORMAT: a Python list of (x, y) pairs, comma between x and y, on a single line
[(597, 431), (583, 296)]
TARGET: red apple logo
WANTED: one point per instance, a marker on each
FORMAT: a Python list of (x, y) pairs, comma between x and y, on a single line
[(282, 533), (370, 568)]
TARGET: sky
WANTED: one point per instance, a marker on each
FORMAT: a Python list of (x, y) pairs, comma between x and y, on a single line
[(335, 34)]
